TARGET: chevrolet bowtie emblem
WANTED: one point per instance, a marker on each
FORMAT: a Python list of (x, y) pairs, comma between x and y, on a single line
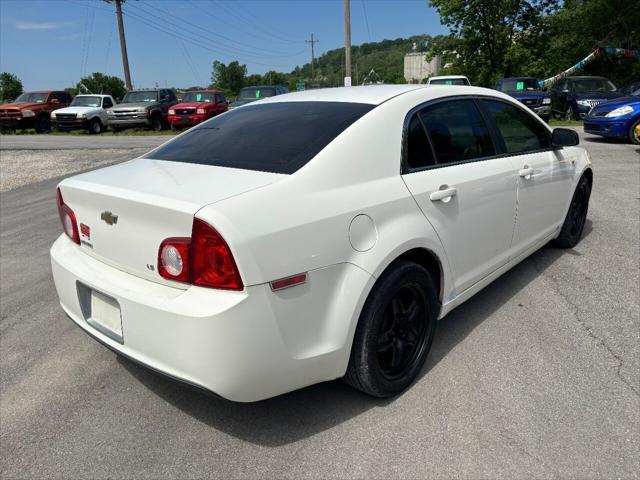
[(109, 218)]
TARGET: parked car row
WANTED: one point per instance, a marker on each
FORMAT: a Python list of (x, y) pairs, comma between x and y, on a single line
[(156, 109)]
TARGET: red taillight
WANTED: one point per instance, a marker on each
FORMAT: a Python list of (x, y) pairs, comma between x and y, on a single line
[(204, 259), (212, 264), (68, 219)]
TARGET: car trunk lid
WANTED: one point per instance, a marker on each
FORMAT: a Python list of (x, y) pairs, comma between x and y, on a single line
[(124, 212)]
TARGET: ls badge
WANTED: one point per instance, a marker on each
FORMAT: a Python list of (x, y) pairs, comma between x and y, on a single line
[(109, 218)]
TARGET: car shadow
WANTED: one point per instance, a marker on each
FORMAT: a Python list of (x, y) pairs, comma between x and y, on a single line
[(306, 412), (598, 139)]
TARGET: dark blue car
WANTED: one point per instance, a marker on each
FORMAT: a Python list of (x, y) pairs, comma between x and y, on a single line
[(573, 97), (528, 91), (617, 118)]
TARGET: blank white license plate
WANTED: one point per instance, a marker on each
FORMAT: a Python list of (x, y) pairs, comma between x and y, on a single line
[(105, 315)]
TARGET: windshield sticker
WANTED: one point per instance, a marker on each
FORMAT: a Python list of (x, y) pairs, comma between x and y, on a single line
[(449, 82), (198, 97), (257, 93), (519, 85)]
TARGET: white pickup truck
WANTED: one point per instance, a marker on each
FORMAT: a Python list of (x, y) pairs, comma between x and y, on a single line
[(85, 111)]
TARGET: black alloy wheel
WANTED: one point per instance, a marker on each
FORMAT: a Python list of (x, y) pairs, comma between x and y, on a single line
[(576, 218), (401, 334), (395, 330)]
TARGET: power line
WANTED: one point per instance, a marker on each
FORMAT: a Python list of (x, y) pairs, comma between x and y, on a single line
[(106, 57), (215, 34), (366, 19), (313, 57), (255, 24), (230, 51)]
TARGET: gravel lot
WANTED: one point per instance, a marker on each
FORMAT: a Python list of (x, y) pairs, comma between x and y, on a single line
[(537, 376), (26, 159)]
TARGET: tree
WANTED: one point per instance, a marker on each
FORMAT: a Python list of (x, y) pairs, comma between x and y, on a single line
[(581, 26), (100, 83), (10, 87), (229, 78), (493, 38)]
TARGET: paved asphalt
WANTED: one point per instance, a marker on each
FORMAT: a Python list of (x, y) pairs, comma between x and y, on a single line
[(536, 376)]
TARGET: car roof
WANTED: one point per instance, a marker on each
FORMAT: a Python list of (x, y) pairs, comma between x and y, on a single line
[(371, 94), (447, 77), (261, 86), (378, 94), (518, 78), (203, 91), (93, 95)]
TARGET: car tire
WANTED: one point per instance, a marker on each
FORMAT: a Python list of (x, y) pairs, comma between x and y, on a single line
[(95, 127), (634, 133), (42, 124), (394, 332), (573, 225), (156, 123), (568, 114)]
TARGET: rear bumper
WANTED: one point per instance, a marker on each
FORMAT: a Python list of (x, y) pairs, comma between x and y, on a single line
[(244, 346), (606, 127)]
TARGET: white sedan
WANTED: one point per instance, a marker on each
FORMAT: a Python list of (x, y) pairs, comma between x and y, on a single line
[(314, 235)]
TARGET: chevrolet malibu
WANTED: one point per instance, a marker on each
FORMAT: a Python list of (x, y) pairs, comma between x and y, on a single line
[(315, 235)]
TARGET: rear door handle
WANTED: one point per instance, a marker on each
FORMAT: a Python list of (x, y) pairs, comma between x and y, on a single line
[(526, 172), (444, 194)]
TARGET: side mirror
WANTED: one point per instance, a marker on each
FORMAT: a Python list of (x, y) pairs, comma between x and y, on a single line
[(564, 137)]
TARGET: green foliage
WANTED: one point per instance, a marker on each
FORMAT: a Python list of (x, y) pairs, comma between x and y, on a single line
[(10, 87), (228, 78), (492, 38), (100, 83), (541, 38)]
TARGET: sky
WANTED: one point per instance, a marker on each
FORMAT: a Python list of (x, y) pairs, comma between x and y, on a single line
[(50, 44)]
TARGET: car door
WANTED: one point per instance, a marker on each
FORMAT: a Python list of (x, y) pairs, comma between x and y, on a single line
[(544, 174), (464, 190)]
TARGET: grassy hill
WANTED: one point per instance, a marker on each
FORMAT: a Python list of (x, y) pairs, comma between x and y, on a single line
[(385, 57)]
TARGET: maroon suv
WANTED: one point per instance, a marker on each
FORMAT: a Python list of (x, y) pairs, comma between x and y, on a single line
[(33, 110), (197, 106)]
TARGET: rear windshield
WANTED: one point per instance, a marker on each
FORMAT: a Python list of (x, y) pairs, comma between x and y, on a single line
[(272, 137)]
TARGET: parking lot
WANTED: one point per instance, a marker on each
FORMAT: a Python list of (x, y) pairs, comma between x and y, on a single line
[(536, 376)]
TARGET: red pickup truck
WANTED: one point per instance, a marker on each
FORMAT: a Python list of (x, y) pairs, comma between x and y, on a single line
[(32, 110), (196, 107)]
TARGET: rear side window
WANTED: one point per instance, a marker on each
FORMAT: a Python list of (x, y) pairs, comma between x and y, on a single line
[(457, 131), (274, 137), (520, 132), (419, 154)]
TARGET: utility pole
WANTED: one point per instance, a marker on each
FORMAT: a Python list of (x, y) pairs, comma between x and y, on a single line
[(123, 43), (313, 57), (347, 43)]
